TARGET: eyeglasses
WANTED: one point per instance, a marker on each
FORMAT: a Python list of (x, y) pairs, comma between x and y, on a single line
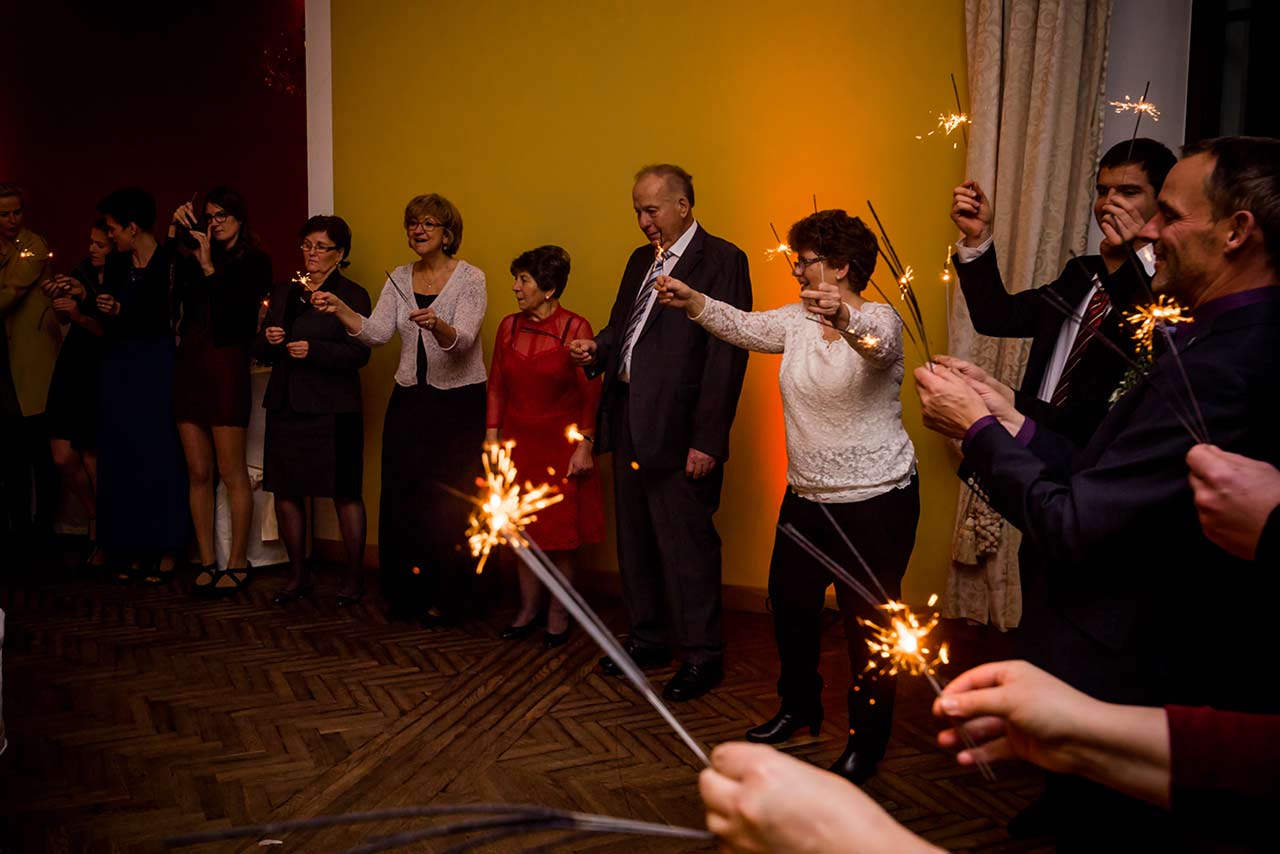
[(425, 224), (308, 247), (802, 264), (219, 217)]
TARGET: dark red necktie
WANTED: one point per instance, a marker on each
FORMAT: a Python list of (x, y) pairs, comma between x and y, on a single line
[(1093, 313)]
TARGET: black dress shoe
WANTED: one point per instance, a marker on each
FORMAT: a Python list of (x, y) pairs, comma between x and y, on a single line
[(643, 656), (855, 767), (551, 640), (783, 725), (519, 632), (693, 680)]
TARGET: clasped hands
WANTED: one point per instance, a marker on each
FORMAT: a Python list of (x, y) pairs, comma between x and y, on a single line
[(955, 394)]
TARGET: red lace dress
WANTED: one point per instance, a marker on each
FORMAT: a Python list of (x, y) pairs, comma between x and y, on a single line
[(535, 393)]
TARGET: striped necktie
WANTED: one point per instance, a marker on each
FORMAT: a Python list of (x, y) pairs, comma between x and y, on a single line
[(1097, 307), (644, 299)]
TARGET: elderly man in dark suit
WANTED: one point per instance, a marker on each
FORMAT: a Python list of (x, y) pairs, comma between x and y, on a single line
[(670, 393), (1134, 582)]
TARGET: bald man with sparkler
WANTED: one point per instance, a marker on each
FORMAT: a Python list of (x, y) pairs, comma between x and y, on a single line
[(1129, 569)]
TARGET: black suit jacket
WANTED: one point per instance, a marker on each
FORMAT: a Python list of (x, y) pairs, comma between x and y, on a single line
[(328, 379), (684, 382), (999, 314), (1115, 526)]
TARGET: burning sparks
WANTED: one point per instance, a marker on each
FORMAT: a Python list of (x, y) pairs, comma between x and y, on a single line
[(27, 253), (506, 509), (782, 251), (1148, 318), (946, 268), (901, 648), (904, 281), (573, 434), (303, 279), (868, 340), (1140, 106), (947, 124)]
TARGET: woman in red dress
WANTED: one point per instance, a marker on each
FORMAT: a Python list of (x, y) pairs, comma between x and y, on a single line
[(535, 397)]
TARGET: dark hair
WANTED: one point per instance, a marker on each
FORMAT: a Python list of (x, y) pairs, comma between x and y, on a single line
[(547, 265), (1245, 177), (233, 203), (445, 211), (1155, 158), (843, 239), (10, 188), (673, 175), (99, 224), (130, 205), (337, 230)]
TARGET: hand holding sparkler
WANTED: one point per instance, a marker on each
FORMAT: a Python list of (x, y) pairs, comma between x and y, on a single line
[(949, 405), (973, 373), (108, 305), (1234, 496), (298, 349), (1120, 221), (582, 352), (760, 799), (824, 300), (676, 294), (274, 335), (971, 212)]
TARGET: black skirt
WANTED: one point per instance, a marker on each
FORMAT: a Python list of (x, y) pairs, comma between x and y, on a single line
[(431, 439), (71, 411), (313, 454)]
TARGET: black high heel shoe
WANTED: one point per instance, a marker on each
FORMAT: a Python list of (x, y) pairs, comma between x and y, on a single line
[(520, 632), (551, 640), (205, 582), (855, 767), (783, 725), (287, 596)]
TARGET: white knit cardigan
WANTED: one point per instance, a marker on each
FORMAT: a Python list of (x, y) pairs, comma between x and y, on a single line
[(461, 304)]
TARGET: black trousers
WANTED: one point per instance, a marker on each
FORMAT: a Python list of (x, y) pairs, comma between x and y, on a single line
[(28, 480), (668, 549), (883, 529)]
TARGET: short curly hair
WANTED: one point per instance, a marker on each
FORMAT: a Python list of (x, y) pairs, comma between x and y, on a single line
[(445, 212), (548, 266), (841, 239)]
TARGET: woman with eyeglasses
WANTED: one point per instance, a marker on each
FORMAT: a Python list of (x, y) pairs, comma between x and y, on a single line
[(220, 287), (850, 464), (435, 421), (314, 444)]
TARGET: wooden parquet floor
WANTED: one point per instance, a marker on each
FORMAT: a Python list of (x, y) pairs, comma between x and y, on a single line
[(137, 714)]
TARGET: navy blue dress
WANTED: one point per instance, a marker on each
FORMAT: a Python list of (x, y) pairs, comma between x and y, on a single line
[(142, 483)]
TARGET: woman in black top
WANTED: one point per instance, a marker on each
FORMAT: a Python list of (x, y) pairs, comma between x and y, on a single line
[(220, 287), (315, 431), (72, 408), (142, 508)]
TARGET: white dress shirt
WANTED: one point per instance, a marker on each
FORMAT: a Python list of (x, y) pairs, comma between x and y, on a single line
[(673, 257)]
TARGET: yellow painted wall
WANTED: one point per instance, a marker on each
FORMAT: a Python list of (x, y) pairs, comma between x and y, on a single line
[(533, 117)]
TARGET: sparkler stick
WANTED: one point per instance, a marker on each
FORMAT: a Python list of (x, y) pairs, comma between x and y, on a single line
[(849, 543), (960, 110), (501, 518), (904, 275), (412, 306), (526, 817)]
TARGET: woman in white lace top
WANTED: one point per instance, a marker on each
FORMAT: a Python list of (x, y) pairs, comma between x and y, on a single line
[(847, 454)]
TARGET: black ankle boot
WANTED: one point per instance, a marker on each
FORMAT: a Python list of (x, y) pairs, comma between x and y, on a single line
[(870, 718), (783, 725), (856, 767)]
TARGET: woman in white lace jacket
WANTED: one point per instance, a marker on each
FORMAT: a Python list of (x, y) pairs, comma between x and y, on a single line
[(849, 463), (435, 421)]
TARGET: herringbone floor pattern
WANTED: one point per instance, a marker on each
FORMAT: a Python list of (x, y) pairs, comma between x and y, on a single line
[(137, 714)]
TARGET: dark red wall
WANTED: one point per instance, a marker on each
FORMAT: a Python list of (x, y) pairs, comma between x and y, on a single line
[(173, 97)]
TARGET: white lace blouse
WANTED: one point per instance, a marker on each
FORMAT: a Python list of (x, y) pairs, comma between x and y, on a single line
[(461, 304), (840, 404)]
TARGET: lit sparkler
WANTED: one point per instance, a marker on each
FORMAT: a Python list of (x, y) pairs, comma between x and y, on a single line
[(506, 509), (1148, 318), (304, 279), (782, 251), (500, 519), (868, 340), (573, 434), (902, 647), (1139, 107), (947, 123)]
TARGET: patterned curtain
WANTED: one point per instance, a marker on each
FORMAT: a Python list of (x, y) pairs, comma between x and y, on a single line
[(1037, 72)]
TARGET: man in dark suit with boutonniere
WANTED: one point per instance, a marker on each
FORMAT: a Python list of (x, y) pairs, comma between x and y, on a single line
[(670, 394), (1143, 597)]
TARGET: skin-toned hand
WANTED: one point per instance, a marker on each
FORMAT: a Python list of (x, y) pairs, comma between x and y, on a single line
[(203, 254), (676, 294), (1234, 496), (108, 305), (327, 303), (949, 405), (185, 215), (581, 461), (68, 307), (274, 334), (698, 465), (1120, 223), (825, 301), (582, 352), (971, 212), (970, 371), (55, 287), (1014, 710), (761, 800), (425, 318), (298, 349)]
